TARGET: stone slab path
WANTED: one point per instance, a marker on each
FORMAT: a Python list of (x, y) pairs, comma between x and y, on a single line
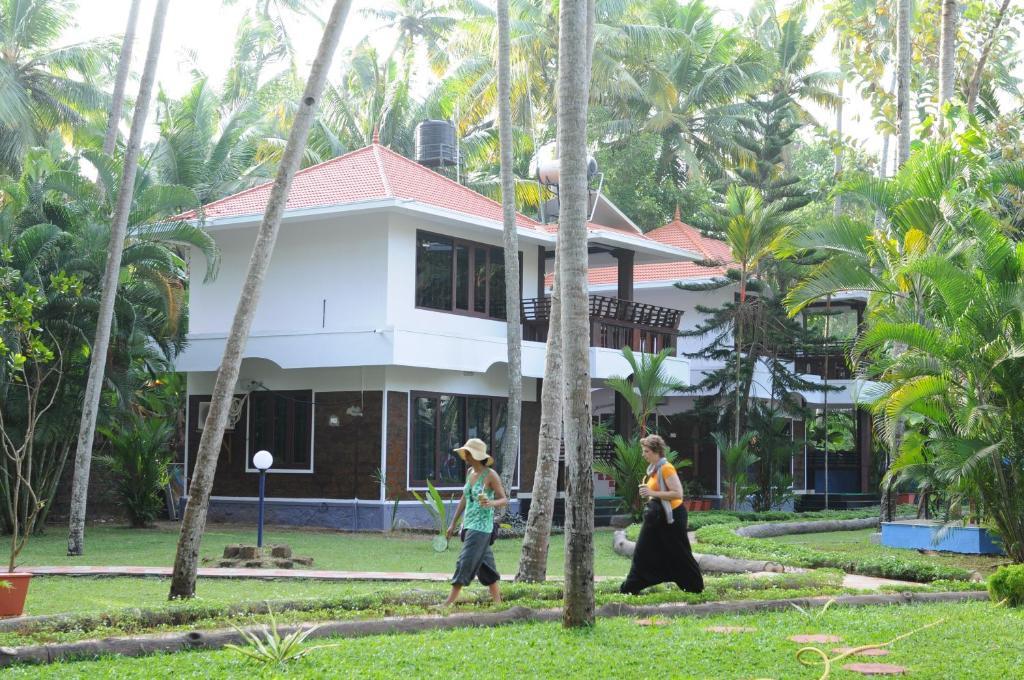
[(849, 580)]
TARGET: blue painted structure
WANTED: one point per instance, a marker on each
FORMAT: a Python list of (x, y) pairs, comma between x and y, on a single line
[(922, 535)]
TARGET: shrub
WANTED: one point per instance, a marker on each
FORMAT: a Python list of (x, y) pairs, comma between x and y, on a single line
[(138, 457), (727, 543), (1008, 584)]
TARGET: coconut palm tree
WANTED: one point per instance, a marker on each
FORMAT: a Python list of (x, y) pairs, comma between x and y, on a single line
[(110, 282), (687, 78), (576, 21), (533, 560), (510, 241), (421, 25), (124, 63), (44, 86), (903, 52), (207, 144), (186, 561)]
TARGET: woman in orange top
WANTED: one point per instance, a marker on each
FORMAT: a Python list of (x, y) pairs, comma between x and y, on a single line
[(662, 552)]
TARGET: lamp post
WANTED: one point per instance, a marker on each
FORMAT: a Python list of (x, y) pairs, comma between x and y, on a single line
[(262, 462)]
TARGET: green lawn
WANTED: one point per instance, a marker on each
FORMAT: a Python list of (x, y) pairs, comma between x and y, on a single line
[(858, 543), (976, 640), (101, 607), (329, 549)]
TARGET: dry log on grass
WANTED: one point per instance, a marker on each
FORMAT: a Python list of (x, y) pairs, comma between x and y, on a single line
[(815, 527)]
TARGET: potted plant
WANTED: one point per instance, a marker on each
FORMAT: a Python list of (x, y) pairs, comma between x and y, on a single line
[(30, 376)]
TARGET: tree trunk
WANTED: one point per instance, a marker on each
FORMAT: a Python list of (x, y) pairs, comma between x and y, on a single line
[(903, 81), (111, 274), (574, 21), (183, 580), (533, 561), (508, 456), (837, 170), (124, 66), (947, 57), (974, 88)]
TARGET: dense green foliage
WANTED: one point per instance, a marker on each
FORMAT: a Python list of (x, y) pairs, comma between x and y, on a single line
[(1008, 584)]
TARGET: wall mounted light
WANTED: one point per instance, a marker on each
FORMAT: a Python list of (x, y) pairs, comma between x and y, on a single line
[(333, 420)]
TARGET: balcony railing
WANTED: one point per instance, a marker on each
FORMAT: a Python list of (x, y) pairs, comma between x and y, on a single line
[(827, 361), (614, 323)]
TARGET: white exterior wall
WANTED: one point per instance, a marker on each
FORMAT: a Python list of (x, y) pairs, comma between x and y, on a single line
[(325, 275)]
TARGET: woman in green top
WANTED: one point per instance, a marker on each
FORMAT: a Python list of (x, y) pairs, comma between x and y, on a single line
[(483, 492)]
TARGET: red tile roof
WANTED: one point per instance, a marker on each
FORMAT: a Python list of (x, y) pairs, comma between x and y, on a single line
[(373, 172), (680, 235)]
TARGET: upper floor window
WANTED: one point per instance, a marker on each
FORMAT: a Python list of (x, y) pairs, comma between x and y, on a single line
[(459, 276)]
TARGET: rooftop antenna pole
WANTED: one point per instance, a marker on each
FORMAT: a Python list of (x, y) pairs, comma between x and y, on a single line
[(458, 147)]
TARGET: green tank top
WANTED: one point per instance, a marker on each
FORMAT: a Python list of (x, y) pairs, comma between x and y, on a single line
[(477, 517)]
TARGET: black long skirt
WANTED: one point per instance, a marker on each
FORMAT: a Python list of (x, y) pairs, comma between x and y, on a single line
[(663, 554)]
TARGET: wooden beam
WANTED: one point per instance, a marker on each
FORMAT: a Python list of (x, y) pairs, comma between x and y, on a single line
[(625, 259)]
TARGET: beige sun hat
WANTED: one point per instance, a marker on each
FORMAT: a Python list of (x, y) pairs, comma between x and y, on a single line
[(477, 449)]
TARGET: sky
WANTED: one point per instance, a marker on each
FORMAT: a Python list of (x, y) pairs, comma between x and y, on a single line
[(199, 34)]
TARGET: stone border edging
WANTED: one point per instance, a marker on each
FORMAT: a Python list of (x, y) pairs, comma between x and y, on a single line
[(216, 639), (771, 529)]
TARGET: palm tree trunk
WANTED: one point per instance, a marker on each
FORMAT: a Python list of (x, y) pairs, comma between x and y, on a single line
[(124, 65), (903, 80), (533, 561), (514, 335), (974, 88), (574, 19), (104, 321), (837, 169), (947, 56), (183, 580)]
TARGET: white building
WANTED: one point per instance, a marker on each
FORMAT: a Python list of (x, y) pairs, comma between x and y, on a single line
[(379, 342)]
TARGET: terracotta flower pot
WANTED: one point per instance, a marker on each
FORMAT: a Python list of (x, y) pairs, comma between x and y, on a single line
[(12, 600)]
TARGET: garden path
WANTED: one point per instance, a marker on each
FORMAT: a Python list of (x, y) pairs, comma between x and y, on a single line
[(849, 580)]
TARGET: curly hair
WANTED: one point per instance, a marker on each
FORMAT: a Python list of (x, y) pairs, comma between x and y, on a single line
[(655, 443)]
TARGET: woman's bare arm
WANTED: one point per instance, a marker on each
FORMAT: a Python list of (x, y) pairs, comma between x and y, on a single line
[(500, 500)]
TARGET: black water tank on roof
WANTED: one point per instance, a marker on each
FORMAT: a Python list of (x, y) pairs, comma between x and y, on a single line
[(435, 143)]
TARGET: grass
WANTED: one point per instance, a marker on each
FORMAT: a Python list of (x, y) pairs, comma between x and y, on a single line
[(332, 550), (858, 543), (907, 566), (122, 606), (976, 640)]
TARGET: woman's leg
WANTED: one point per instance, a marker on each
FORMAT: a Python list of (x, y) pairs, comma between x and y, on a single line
[(640, 570), (488, 573), (454, 595), (688, 576)]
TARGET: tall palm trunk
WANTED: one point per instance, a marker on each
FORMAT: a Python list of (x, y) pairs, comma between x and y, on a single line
[(533, 561), (887, 509), (903, 80), (124, 65), (574, 21), (514, 335), (974, 87), (837, 168), (947, 56), (183, 580), (111, 274)]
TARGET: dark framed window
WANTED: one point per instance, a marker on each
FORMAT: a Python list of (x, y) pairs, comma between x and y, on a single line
[(459, 276), (442, 422), (282, 423)]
